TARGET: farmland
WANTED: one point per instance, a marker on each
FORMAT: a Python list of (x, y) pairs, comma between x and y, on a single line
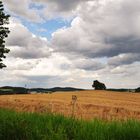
[(106, 105)]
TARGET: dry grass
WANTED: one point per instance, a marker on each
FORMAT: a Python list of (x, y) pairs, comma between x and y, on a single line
[(90, 104)]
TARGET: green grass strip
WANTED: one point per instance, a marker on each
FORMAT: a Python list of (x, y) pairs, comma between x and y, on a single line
[(33, 126)]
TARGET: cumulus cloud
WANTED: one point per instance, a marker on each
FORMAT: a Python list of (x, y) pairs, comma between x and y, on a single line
[(124, 59), (28, 53), (22, 9), (101, 43), (88, 64), (60, 8), (38, 10), (19, 64), (24, 44), (19, 34), (101, 30)]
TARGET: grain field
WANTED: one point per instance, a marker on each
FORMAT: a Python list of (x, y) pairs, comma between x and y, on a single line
[(90, 104)]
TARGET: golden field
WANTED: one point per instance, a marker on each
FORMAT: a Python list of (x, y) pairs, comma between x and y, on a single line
[(90, 104)]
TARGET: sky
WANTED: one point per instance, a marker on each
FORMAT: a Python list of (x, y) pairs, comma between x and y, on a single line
[(71, 43)]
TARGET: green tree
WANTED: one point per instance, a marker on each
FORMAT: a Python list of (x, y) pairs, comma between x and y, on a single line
[(98, 85), (4, 31)]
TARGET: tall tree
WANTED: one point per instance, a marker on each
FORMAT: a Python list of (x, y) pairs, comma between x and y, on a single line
[(98, 85), (4, 31)]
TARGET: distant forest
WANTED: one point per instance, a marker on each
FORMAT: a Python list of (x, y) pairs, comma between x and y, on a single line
[(21, 90)]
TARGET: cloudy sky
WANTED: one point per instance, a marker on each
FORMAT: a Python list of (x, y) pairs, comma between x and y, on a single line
[(73, 42)]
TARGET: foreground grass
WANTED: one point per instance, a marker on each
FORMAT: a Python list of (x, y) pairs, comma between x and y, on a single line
[(25, 126)]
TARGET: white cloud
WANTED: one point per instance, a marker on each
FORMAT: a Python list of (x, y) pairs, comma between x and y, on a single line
[(24, 44), (60, 8), (38, 10), (88, 64), (101, 43), (124, 59), (92, 33), (22, 9)]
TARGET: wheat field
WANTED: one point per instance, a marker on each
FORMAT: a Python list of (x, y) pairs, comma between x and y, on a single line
[(90, 104)]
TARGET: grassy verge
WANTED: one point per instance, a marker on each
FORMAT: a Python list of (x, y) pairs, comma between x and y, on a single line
[(25, 126)]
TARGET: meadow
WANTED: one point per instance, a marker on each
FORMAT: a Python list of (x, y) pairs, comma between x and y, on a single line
[(34, 126), (105, 105)]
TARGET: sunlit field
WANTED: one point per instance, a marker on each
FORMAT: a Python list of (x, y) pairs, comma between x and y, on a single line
[(104, 105)]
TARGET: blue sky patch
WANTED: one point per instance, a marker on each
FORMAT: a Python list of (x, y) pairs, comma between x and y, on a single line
[(46, 28), (36, 6)]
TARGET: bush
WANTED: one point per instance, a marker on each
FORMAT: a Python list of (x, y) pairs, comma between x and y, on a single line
[(138, 89)]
